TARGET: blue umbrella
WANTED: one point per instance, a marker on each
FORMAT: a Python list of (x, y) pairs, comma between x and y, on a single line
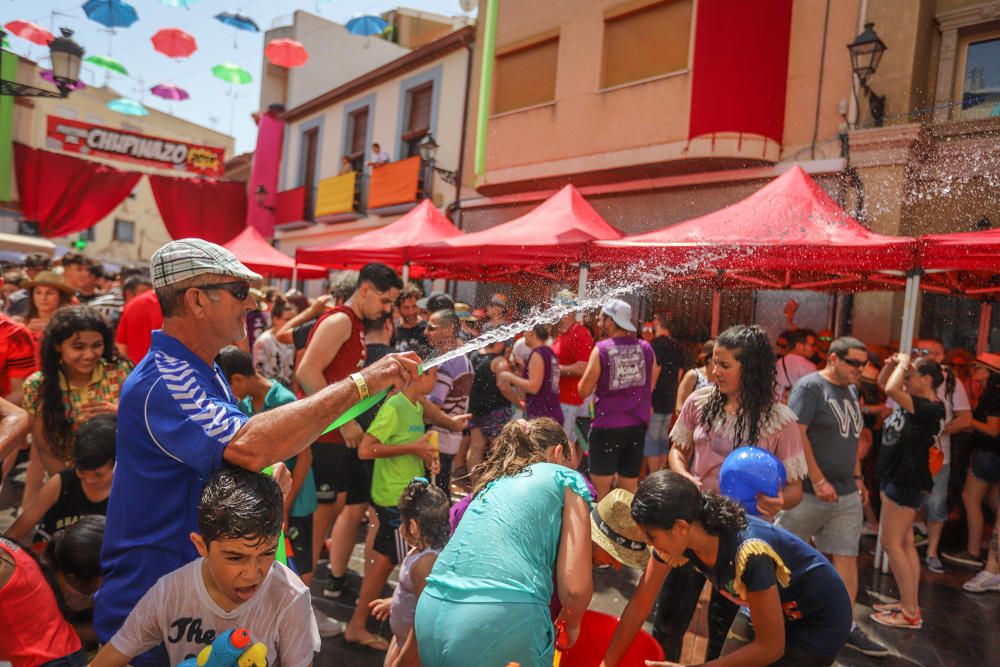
[(128, 107), (111, 13), (238, 21), (367, 26), (183, 4)]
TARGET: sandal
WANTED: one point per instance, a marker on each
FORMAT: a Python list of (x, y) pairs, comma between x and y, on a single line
[(899, 619), (887, 607)]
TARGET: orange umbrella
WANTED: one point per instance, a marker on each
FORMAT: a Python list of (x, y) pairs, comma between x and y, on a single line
[(30, 31), (174, 43), (286, 53)]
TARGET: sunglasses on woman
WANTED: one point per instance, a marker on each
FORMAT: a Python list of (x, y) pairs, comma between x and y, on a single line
[(238, 288)]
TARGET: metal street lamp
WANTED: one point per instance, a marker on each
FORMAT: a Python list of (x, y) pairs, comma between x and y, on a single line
[(866, 52), (428, 152), (66, 56)]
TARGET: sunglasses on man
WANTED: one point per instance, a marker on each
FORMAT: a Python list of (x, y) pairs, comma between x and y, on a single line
[(921, 351), (854, 363), (238, 288)]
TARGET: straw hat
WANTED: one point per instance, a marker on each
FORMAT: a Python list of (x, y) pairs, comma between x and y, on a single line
[(50, 279), (613, 529), (990, 361)]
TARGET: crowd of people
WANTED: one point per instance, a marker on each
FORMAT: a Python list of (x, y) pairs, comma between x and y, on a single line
[(182, 481)]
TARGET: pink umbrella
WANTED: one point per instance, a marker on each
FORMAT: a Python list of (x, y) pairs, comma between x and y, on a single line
[(286, 53), (47, 75), (169, 91)]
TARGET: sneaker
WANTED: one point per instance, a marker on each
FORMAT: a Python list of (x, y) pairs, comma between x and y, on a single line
[(328, 627), (919, 537), (934, 565), (334, 587), (983, 582), (886, 607), (898, 619), (963, 558), (862, 643)]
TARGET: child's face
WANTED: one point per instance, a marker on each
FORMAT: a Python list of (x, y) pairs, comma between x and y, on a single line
[(236, 567), (98, 479), (238, 383)]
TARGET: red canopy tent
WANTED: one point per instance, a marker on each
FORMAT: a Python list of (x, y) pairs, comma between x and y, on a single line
[(788, 235), (558, 232), (391, 245), (253, 250), (966, 262)]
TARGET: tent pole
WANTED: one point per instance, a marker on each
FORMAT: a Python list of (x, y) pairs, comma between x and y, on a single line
[(910, 297), (581, 288), (295, 274), (985, 316), (406, 273), (716, 311)]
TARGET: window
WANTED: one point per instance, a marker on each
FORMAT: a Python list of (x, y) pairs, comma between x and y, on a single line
[(646, 42), (88, 235), (357, 137), (418, 118), (124, 231), (307, 168), (525, 76), (981, 79)]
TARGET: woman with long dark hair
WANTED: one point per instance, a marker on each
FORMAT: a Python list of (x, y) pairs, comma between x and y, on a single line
[(81, 376), (800, 608), (738, 410)]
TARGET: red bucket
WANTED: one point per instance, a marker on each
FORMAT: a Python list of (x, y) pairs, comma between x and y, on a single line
[(595, 635)]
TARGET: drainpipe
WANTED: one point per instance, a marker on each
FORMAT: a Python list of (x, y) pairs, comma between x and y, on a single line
[(486, 85), (460, 171)]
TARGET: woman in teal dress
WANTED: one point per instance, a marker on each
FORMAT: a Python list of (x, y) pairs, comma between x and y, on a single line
[(486, 601)]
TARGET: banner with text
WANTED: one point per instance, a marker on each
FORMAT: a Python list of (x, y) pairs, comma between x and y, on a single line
[(74, 136)]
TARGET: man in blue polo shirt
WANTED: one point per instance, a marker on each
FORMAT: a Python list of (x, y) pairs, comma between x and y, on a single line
[(178, 422)]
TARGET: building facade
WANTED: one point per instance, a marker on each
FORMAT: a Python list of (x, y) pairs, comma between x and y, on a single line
[(134, 230)]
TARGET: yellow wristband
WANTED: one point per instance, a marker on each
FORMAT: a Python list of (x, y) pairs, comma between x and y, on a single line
[(359, 380)]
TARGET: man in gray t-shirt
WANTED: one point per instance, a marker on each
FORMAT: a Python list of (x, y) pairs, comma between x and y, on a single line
[(830, 514)]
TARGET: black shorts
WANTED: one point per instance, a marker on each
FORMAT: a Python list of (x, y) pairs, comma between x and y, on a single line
[(617, 450), (389, 539), (337, 469), (300, 534)]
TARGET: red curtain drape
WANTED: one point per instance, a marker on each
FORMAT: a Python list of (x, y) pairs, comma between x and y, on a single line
[(201, 207), (65, 194)]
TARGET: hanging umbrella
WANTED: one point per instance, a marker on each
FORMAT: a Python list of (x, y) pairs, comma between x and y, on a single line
[(232, 73), (4, 43), (286, 53), (238, 21), (128, 107), (174, 43), (169, 91), (47, 75), (32, 32), (111, 13), (108, 63), (184, 4), (366, 26)]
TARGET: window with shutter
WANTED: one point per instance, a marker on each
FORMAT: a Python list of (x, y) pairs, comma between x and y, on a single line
[(418, 117)]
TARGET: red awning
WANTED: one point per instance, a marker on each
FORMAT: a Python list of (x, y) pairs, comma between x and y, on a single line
[(788, 235), (253, 250), (966, 262), (558, 232), (391, 245)]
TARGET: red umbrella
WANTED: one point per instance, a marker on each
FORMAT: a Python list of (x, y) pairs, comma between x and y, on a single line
[(286, 53), (174, 43), (30, 31)]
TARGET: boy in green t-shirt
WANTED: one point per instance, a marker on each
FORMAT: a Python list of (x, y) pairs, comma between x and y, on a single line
[(257, 394), (401, 449)]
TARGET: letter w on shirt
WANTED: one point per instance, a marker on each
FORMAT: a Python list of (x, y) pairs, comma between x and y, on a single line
[(848, 415)]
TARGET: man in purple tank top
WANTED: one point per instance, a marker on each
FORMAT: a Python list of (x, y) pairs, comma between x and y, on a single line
[(620, 373)]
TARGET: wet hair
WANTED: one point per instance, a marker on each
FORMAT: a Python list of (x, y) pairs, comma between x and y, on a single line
[(542, 331), (665, 497), (796, 336), (377, 324), (929, 367), (37, 260), (74, 258), (448, 318), (96, 270), (751, 347), (949, 374), (233, 360), (510, 454), (706, 353), (428, 505), (132, 283), (64, 324), (239, 504), (94, 445), (76, 551), (379, 276), (281, 306), (845, 344)]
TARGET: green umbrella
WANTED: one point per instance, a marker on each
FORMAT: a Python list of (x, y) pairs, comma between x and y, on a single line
[(107, 62), (232, 73)]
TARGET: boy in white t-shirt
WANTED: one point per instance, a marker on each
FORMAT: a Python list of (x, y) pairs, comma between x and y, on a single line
[(235, 584)]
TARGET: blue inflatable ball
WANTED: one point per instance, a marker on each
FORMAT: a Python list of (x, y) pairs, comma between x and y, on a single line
[(748, 471)]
